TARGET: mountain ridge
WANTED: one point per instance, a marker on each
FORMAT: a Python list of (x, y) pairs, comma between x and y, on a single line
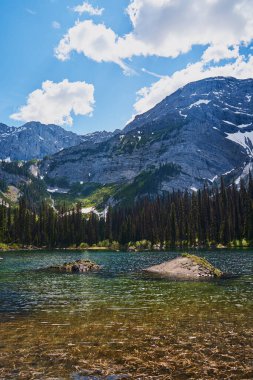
[(205, 127), (35, 140), (199, 133)]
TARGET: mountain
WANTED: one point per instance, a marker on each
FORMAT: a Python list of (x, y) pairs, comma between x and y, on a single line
[(99, 136), (202, 131), (36, 140)]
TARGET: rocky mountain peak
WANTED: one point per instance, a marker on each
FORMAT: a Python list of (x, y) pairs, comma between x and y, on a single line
[(204, 128), (37, 140), (201, 132)]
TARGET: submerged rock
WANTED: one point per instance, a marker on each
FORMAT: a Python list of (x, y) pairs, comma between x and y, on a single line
[(79, 266), (187, 266)]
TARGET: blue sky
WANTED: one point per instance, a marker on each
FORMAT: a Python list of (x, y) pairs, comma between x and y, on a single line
[(92, 65)]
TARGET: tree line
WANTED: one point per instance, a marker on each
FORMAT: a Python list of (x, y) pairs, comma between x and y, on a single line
[(203, 218)]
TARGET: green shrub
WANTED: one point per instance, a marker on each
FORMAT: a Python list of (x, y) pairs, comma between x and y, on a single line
[(3, 247), (83, 245), (115, 245), (104, 243)]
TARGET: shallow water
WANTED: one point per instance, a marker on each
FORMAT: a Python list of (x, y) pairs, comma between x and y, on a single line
[(120, 323)]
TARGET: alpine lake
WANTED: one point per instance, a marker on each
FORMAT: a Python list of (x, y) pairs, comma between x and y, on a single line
[(120, 323)]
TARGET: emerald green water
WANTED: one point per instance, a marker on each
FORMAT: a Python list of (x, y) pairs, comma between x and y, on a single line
[(120, 323)]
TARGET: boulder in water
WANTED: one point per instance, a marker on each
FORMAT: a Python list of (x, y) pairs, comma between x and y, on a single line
[(187, 266), (79, 266)]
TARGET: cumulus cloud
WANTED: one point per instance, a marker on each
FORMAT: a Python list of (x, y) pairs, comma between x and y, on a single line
[(88, 8), (55, 103), (165, 28), (216, 53), (172, 27), (148, 97), (94, 41)]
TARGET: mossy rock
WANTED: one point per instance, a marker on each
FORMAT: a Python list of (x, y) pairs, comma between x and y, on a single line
[(79, 266), (204, 264), (187, 266)]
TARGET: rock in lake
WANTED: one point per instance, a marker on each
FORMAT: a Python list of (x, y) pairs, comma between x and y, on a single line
[(186, 266), (79, 266)]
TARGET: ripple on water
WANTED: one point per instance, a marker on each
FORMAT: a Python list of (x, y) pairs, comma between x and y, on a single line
[(119, 323)]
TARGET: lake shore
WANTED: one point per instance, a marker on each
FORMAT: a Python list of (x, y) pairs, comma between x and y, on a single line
[(27, 248)]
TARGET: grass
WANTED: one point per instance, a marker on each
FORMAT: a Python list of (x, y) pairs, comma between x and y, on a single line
[(8, 247), (3, 247), (89, 195)]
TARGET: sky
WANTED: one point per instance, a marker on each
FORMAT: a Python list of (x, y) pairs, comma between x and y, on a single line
[(93, 65)]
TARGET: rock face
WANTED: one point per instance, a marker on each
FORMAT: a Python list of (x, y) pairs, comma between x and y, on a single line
[(36, 140), (79, 266), (186, 266), (98, 137), (204, 128)]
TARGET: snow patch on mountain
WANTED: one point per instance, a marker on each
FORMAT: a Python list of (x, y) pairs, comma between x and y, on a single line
[(244, 125), (244, 139), (181, 114), (245, 172), (199, 102), (228, 122)]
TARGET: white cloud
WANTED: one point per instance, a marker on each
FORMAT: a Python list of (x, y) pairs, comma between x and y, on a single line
[(148, 97), (172, 27), (28, 10), (88, 8), (94, 41), (218, 52), (55, 103), (151, 73), (165, 28), (56, 25)]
